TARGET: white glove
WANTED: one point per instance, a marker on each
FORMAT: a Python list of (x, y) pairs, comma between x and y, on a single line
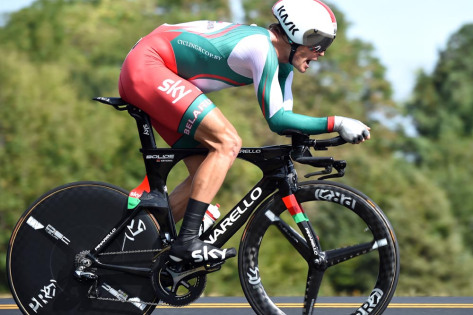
[(351, 130)]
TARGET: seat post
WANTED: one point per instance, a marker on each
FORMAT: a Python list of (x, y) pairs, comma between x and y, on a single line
[(156, 172), (157, 200), (145, 129)]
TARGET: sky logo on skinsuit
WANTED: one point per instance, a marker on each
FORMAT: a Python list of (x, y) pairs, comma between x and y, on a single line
[(174, 88)]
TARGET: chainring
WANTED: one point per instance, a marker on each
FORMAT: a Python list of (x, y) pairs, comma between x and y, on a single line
[(177, 284)]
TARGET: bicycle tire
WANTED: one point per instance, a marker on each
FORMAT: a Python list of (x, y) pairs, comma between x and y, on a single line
[(61, 224), (319, 199)]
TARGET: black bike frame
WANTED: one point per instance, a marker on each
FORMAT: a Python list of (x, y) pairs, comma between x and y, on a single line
[(278, 175)]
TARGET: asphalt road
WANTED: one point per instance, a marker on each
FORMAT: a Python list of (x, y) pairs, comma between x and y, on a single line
[(329, 306)]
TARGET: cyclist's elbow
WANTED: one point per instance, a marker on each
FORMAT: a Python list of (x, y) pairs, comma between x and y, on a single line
[(276, 124), (275, 127)]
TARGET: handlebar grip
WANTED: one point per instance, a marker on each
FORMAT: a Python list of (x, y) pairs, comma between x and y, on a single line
[(332, 142)]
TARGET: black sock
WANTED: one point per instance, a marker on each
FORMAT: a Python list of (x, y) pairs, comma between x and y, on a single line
[(192, 220)]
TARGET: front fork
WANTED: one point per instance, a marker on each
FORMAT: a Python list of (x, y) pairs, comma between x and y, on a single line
[(287, 189), (314, 256), (302, 221)]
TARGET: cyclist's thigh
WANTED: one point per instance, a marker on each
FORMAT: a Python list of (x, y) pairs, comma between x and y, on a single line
[(216, 129)]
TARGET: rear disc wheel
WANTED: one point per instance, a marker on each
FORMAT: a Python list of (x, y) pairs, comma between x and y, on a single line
[(56, 229)]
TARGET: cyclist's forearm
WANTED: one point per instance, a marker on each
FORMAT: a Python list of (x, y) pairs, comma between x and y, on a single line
[(284, 120)]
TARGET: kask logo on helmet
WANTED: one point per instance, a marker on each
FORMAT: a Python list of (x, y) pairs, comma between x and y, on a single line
[(307, 22), (284, 16)]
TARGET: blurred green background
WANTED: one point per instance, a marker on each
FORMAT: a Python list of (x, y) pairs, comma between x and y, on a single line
[(57, 54)]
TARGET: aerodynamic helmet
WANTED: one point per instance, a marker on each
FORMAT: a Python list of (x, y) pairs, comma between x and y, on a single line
[(307, 22)]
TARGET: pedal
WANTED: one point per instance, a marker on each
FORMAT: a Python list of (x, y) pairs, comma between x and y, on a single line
[(214, 266)]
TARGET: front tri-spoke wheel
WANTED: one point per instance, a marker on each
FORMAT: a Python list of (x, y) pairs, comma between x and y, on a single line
[(359, 256)]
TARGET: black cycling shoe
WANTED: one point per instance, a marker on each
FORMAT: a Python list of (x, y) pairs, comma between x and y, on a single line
[(198, 251)]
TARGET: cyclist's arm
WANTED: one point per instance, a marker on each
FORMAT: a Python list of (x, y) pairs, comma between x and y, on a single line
[(284, 120), (275, 98)]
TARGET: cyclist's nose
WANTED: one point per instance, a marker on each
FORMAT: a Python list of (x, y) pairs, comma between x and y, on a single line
[(317, 55)]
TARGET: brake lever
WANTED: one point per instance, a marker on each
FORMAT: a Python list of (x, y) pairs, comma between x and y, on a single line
[(327, 170), (339, 165)]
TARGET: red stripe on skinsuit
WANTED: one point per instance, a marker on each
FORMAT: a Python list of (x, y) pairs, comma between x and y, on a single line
[(263, 97), (215, 77), (330, 123)]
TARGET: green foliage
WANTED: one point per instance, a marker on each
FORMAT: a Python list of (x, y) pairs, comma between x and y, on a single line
[(58, 54), (432, 253), (442, 106), (443, 102)]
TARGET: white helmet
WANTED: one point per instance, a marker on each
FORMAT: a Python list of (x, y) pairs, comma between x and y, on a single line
[(307, 22)]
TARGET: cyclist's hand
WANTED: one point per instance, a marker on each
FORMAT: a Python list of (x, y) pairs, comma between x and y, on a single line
[(351, 130)]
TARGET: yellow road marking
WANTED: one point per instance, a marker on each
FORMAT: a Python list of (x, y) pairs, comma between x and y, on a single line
[(299, 305), (326, 305)]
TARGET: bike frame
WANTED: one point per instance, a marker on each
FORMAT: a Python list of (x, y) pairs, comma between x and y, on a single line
[(278, 175)]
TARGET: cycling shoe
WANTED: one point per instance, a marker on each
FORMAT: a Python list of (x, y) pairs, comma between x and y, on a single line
[(198, 251)]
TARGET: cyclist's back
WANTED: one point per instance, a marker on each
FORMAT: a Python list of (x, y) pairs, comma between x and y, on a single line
[(221, 54)]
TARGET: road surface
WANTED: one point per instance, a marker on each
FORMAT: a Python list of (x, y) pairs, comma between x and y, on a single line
[(329, 306)]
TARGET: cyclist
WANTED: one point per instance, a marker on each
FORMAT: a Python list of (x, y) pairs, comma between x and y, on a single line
[(168, 71)]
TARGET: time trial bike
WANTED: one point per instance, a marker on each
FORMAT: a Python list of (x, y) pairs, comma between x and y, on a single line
[(96, 248)]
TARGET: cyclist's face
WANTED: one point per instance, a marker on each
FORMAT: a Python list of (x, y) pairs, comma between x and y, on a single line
[(303, 56)]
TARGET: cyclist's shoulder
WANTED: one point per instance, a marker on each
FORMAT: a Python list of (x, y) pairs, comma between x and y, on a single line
[(251, 40)]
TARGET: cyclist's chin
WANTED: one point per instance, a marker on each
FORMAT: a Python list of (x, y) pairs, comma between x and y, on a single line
[(301, 65), (302, 68)]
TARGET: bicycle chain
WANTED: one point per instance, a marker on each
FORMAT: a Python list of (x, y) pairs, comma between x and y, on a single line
[(95, 287), (92, 297), (96, 297), (138, 251)]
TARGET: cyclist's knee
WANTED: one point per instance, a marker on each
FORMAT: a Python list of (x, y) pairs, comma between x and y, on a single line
[(231, 145), (218, 135), (226, 144)]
